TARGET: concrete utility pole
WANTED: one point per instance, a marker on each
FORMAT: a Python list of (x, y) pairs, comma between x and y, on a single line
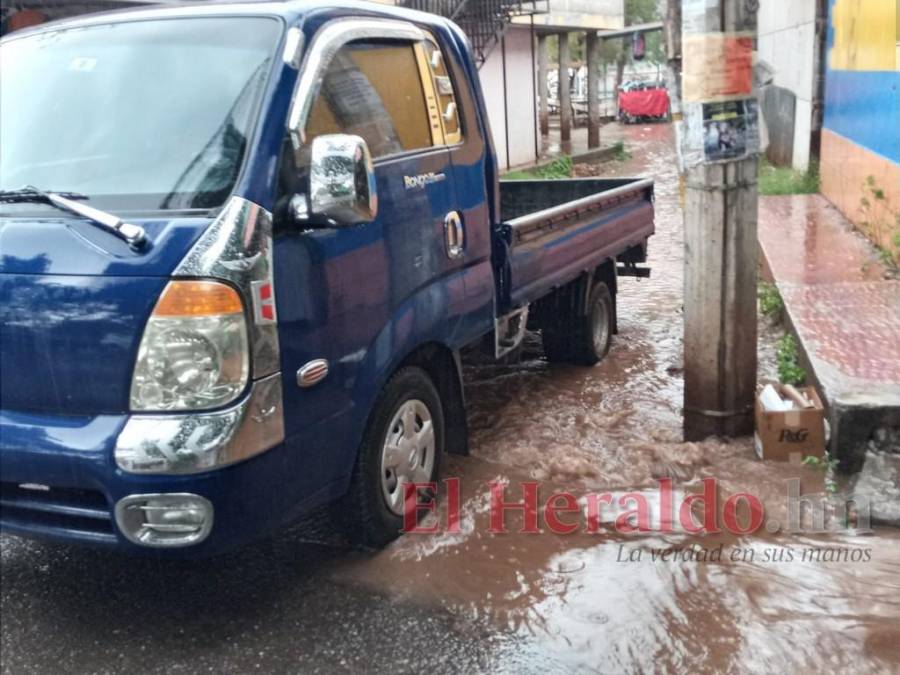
[(544, 110), (563, 93), (719, 151), (592, 47)]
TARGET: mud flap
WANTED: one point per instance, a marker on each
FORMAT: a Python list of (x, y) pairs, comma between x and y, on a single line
[(456, 441), (509, 331)]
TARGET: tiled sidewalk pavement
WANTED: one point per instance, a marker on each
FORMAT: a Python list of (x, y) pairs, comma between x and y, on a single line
[(846, 316)]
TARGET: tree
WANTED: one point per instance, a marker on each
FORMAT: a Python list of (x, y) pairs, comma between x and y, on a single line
[(636, 12)]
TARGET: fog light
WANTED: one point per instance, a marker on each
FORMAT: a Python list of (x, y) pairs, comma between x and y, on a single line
[(164, 519)]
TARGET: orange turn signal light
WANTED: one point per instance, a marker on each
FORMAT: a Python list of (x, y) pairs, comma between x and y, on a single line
[(198, 298)]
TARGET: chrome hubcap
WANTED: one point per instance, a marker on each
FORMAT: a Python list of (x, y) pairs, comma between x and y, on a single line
[(408, 452), (600, 327)]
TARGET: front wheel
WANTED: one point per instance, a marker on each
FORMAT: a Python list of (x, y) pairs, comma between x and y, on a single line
[(402, 444)]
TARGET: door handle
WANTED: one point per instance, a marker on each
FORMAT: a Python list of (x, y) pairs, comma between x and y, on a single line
[(454, 235)]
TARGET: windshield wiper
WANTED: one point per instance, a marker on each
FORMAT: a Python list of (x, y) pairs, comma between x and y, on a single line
[(30, 195), (133, 234)]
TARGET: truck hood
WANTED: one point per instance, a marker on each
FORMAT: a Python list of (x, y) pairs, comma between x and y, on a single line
[(67, 245), (73, 304)]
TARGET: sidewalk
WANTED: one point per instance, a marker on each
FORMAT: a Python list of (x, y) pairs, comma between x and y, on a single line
[(846, 316), (551, 145)]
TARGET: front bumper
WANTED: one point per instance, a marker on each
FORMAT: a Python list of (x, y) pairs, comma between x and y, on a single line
[(59, 479)]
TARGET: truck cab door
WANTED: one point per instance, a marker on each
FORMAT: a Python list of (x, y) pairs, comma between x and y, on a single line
[(354, 296), (458, 116)]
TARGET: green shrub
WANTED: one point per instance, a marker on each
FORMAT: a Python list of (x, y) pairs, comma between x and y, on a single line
[(787, 356), (770, 302), (620, 152), (561, 167), (829, 466)]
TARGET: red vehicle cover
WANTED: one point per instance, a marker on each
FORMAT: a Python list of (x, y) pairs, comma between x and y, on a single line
[(644, 102)]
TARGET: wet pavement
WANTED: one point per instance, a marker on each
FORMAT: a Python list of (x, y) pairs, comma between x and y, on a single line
[(845, 309), (826, 270), (472, 601)]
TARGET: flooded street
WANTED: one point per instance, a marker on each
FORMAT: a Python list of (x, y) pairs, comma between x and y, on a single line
[(570, 602), (473, 601)]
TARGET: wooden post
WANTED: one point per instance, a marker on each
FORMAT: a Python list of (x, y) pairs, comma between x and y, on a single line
[(621, 61), (672, 32), (564, 95), (544, 110), (593, 73), (720, 262)]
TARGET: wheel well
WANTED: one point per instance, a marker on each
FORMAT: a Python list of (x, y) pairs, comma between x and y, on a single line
[(445, 370), (607, 273), (574, 296)]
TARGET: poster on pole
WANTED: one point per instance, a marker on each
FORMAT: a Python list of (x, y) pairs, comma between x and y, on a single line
[(717, 67), (730, 129), (720, 131), (720, 110)]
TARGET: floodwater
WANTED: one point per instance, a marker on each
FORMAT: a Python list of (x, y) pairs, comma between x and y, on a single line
[(608, 601), (596, 600)]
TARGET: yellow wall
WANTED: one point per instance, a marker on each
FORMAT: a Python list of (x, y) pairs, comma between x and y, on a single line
[(866, 35)]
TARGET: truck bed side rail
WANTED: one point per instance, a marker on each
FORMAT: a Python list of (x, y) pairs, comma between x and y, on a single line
[(548, 247), (531, 225)]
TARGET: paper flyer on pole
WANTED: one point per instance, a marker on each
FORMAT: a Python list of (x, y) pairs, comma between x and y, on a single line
[(720, 112), (717, 66)]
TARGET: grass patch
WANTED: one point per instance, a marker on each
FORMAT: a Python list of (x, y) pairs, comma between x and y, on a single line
[(561, 167), (518, 175), (777, 180), (620, 152), (770, 302), (787, 356)]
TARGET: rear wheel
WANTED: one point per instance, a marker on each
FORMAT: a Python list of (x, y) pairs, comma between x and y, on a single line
[(402, 444), (583, 338)]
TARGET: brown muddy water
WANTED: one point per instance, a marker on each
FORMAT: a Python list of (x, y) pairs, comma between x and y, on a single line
[(608, 602)]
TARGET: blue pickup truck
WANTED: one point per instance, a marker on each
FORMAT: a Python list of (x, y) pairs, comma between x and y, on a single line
[(242, 249)]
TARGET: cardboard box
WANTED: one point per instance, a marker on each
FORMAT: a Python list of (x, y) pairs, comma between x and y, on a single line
[(791, 435)]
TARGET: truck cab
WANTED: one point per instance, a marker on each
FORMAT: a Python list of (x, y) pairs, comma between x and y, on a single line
[(242, 247)]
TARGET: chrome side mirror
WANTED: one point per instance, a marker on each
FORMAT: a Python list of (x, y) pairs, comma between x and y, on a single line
[(342, 180)]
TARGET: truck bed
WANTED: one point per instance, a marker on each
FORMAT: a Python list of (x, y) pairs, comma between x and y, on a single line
[(555, 230)]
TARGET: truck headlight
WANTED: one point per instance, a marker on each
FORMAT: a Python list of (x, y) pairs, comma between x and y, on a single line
[(194, 353)]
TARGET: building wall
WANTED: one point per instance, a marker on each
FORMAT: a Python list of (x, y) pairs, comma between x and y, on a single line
[(518, 117), (861, 135), (787, 33), (581, 14)]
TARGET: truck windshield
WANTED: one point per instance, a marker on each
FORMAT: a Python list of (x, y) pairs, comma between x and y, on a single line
[(135, 115)]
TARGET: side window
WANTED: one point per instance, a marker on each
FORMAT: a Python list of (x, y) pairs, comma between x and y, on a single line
[(443, 87), (374, 90)]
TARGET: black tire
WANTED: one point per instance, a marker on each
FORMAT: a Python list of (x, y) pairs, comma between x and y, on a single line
[(584, 338), (366, 515)]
